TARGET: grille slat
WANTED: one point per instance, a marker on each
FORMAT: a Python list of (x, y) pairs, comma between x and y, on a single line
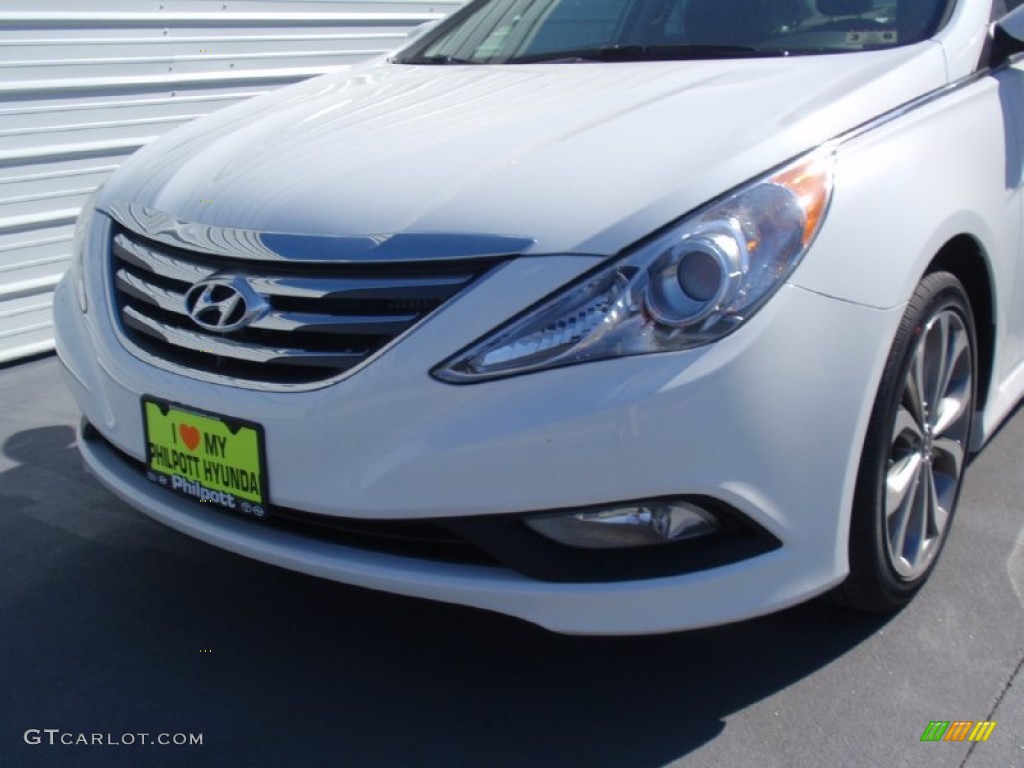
[(396, 287), (148, 259), (355, 324), (174, 302), (323, 319), (169, 301), (220, 346)]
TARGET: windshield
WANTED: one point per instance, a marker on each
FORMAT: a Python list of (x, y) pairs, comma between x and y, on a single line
[(524, 31)]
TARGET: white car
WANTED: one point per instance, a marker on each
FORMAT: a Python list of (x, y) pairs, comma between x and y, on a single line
[(617, 316)]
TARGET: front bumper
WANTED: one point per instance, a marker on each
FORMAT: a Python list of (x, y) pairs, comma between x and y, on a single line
[(769, 421)]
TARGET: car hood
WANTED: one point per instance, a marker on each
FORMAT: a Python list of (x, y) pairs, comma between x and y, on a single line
[(583, 158)]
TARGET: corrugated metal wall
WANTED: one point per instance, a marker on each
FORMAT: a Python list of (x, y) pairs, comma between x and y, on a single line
[(83, 83)]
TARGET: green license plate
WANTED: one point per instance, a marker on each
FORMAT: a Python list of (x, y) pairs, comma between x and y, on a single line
[(212, 459)]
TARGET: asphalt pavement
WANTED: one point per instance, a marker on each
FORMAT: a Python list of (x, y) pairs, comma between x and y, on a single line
[(114, 626)]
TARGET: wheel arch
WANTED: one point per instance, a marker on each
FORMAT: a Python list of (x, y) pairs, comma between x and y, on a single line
[(964, 257)]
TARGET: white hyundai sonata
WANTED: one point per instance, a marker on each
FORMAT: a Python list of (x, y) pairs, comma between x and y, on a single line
[(617, 316)]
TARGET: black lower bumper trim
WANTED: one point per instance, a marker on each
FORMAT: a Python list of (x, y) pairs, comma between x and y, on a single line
[(505, 540)]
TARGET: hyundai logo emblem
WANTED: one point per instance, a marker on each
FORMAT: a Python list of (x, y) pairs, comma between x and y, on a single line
[(224, 303)]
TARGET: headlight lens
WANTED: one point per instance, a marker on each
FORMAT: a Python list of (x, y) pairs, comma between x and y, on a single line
[(78, 243), (690, 285)]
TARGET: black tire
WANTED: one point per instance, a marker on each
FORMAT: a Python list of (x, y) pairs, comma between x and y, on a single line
[(896, 538)]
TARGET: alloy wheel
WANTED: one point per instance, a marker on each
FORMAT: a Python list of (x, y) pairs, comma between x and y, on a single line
[(929, 443)]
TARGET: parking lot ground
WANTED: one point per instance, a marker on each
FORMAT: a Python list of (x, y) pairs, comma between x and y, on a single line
[(112, 624)]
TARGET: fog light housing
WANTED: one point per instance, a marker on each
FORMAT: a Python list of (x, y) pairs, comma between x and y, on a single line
[(627, 526)]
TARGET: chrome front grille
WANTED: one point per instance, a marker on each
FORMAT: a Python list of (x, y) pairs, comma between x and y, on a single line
[(324, 318)]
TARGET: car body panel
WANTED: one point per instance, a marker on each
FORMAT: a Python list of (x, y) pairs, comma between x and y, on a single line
[(538, 140), (770, 420), (406, 447)]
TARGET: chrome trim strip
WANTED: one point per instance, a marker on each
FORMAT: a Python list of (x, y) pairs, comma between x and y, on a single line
[(371, 325), (169, 301), (360, 287), (218, 345), (315, 249), (292, 286), (140, 256), (288, 322), (909, 106)]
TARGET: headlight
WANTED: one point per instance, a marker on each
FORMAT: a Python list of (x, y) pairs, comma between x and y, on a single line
[(78, 243), (691, 284)]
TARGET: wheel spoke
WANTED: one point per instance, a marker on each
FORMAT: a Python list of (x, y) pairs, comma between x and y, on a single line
[(913, 387), (903, 488), (900, 480), (953, 394), (929, 510), (906, 431), (949, 413), (910, 522), (937, 513), (958, 355), (948, 456), (936, 365)]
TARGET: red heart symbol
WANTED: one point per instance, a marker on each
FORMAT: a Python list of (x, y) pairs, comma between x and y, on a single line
[(189, 436)]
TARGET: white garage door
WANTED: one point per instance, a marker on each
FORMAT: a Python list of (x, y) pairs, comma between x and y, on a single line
[(85, 83)]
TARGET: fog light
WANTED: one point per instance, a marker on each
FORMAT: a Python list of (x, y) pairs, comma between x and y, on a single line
[(633, 525)]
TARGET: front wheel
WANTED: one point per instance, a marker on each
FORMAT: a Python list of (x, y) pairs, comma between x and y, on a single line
[(915, 450)]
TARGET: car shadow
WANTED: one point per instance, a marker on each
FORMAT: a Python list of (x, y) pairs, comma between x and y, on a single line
[(115, 624)]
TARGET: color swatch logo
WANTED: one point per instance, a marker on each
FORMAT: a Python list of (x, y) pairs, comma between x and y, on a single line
[(958, 730)]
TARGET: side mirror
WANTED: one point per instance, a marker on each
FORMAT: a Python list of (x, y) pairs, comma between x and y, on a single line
[(1008, 36)]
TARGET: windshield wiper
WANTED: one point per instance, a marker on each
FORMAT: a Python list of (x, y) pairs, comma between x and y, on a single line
[(434, 59), (645, 53)]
